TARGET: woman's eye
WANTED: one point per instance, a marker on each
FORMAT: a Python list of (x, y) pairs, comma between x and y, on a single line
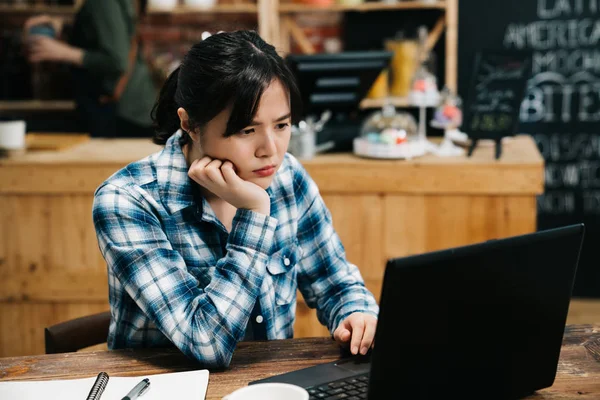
[(246, 131), (282, 126)]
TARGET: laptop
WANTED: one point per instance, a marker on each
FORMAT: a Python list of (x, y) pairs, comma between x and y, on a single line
[(479, 321)]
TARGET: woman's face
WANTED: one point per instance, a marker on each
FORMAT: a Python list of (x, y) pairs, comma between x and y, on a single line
[(258, 150)]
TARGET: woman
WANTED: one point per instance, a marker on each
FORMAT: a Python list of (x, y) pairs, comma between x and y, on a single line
[(208, 240), (114, 91)]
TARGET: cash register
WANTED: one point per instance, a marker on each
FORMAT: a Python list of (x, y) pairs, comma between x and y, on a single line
[(332, 87)]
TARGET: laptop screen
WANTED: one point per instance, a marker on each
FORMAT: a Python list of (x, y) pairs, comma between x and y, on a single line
[(490, 315)]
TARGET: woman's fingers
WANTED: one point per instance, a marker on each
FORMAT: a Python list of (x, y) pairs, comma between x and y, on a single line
[(213, 172), (358, 328), (229, 174), (197, 169), (368, 336)]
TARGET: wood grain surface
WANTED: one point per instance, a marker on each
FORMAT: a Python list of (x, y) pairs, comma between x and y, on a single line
[(578, 375)]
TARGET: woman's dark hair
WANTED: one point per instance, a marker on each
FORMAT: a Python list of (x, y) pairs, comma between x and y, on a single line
[(226, 69)]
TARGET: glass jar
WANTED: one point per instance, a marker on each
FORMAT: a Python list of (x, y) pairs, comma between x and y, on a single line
[(387, 133)]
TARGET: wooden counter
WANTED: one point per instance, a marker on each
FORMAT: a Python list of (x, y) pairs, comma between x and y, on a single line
[(51, 269)]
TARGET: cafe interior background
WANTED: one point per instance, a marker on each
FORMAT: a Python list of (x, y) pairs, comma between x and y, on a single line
[(387, 199)]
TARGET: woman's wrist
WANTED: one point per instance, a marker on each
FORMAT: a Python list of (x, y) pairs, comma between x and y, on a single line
[(265, 210), (263, 206)]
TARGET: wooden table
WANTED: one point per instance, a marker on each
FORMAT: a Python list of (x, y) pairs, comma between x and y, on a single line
[(51, 269), (578, 370)]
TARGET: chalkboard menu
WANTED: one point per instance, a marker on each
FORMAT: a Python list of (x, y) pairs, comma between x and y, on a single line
[(495, 95), (561, 107)]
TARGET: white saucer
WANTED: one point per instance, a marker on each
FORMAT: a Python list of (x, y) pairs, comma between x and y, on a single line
[(364, 148)]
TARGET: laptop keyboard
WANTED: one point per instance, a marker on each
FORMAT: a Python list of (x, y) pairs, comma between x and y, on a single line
[(354, 388)]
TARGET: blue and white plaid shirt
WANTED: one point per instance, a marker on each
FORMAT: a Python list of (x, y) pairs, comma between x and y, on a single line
[(177, 276)]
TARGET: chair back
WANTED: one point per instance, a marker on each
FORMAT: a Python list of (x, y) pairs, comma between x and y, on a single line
[(77, 334)]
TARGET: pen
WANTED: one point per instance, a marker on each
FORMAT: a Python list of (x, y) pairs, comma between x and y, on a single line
[(138, 390)]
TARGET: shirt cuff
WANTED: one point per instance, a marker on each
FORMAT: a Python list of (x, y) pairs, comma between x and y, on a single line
[(253, 230)]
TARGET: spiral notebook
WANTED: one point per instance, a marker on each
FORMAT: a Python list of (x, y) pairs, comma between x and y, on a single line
[(175, 385)]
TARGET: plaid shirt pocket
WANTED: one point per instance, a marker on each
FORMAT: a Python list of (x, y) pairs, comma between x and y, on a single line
[(282, 267)]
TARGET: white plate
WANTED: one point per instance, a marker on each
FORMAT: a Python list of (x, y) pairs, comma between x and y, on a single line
[(364, 148)]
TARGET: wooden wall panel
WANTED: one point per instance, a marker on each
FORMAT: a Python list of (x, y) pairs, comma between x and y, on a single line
[(6, 220), (22, 324), (416, 224), (358, 220), (50, 250), (307, 324), (50, 267)]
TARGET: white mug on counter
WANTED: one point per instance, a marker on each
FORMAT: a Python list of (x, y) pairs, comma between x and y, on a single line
[(269, 391), (12, 136)]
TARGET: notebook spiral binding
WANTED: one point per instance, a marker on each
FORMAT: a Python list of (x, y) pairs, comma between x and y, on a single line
[(99, 386)]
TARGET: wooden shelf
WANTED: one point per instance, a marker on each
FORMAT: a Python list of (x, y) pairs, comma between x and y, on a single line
[(219, 9), (284, 30), (36, 9), (43, 141), (37, 105), (371, 6), (378, 103)]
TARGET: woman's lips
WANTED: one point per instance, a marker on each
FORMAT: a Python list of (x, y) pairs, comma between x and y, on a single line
[(266, 171)]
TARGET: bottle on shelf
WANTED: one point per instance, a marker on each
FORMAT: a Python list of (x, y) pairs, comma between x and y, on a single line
[(380, 88), (403, 64)]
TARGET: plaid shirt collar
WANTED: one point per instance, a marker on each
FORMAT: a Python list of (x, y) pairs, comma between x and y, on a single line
[(175, 186)]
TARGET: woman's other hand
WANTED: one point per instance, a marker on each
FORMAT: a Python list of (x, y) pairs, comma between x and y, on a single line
[(357, 332)]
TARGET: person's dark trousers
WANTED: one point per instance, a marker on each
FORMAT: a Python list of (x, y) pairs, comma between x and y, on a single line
[(129, 129), (99, 120)]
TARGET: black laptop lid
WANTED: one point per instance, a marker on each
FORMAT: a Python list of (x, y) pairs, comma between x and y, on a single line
[(481, 321)]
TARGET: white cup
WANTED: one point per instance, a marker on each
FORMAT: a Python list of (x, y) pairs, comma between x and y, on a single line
[(12, 136), (269, 391)]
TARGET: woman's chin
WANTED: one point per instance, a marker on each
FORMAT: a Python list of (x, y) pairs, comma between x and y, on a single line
[(263, 182)]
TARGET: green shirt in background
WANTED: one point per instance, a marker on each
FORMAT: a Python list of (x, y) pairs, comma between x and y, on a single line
[(103, 29)]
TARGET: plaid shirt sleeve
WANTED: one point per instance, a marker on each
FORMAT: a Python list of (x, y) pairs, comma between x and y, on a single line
[(204, 324), (327, 281)]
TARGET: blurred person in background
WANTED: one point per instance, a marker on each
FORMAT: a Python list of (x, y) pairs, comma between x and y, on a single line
[(114, 91)]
